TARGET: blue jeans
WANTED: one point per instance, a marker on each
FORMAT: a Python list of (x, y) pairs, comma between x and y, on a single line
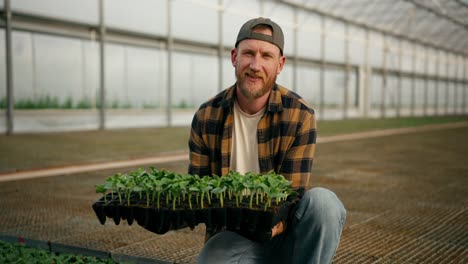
[(312, 237)]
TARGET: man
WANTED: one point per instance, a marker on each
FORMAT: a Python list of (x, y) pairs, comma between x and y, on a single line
[(258, 126)]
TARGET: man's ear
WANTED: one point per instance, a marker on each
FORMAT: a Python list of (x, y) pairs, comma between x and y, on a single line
[(282, 61), (234, 57)]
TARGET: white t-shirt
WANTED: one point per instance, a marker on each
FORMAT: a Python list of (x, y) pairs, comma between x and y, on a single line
[(244, 155)]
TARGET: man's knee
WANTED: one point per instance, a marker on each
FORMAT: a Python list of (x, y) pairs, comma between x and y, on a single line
[(323, 205), (225, 247)]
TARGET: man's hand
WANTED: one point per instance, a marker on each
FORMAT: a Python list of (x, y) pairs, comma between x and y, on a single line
[(286, 214), (277, 229)]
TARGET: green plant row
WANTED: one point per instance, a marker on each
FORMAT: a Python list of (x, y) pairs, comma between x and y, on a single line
[(17, 253), (49, 102), (161, 187)]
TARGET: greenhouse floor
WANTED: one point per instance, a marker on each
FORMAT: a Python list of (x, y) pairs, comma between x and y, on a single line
[(406, 196)]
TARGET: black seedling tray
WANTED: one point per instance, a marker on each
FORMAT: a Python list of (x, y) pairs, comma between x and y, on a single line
[(254, 223)]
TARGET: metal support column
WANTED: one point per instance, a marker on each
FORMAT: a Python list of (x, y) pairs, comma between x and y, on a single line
[(455, 83), (400, 70), (322, 68), (426, 81), (447, 84), (9, 69), (347, 73), (102, 68), (170, 43), (295, 50), (384, 78), (365, 77), (464, 85), (220, 45), (436, 96), (413, 81)]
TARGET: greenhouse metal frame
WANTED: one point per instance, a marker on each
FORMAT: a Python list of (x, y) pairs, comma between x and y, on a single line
[(350, 58)]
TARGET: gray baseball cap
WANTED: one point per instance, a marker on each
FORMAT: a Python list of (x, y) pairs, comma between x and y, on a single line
[(246, 32)]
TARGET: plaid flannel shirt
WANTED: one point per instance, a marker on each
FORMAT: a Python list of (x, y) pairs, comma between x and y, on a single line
[(286, 136)]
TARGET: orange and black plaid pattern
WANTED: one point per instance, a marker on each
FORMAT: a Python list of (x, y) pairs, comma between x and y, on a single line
[(286, 136)]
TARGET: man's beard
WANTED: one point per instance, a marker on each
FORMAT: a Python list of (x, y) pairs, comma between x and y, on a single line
[(254, 93)]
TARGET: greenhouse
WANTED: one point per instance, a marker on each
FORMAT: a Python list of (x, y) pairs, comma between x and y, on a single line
[(81, 65), (109, 153)]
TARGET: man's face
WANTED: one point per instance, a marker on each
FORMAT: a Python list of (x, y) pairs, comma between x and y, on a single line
[(257, 64)]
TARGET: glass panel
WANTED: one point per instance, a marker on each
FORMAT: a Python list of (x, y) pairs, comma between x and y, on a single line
[(229, 77), (51, 72), (77, 10), (357, 51), (391, 93), (334, 88), (39, 59), (376, 91), (451, 93), (195, 21), (459, 97), (375, 49), (3, 88), (441, 96), (464, 96), (432, 62), (24, 69), (284, 16), (199, 82), (431, 93), (308, 84), (452, 66), (236, 13), (334, 41), (465, 69), (353, 89), (442, 64), (420, 59), (392, 54), (406, 93), (135, 77), (147, 16), (309, 33), (459, 67), (407, 56), (286, 77), (419, 93)]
